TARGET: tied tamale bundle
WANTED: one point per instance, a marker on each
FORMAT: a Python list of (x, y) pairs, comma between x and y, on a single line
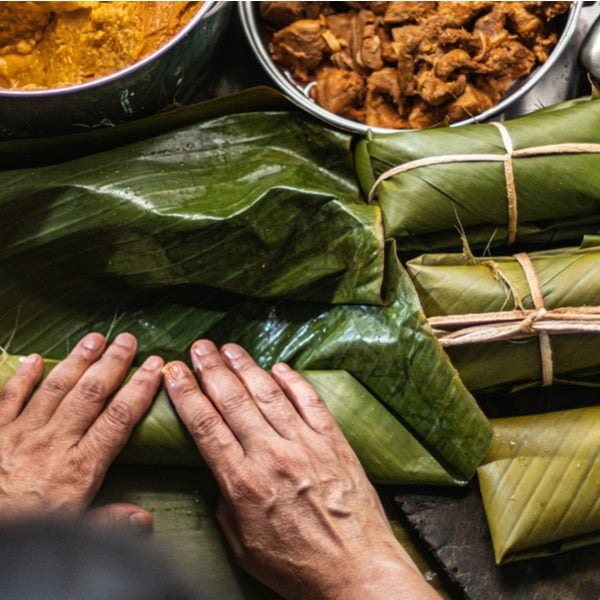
[(515, 320), (540, 483), (534, 179)]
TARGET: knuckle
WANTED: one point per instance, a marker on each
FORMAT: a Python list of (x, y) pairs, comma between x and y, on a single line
[(92, 390), (204, 425), (10, 394), (269, 394), (56, 386), (118, 415), (234, 400)]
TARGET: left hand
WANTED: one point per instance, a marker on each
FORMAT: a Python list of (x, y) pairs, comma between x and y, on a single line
[(56, 443)]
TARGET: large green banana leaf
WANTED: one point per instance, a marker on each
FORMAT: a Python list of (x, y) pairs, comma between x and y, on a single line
[(457, 284), (541, 483), (557, 198), (390, 350), (386, 449), (263, 204)]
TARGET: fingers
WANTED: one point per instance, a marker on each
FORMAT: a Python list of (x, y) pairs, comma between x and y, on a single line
[(120, 517), (63, 378), (267, 395), (218, 445), (229, 395), (306, 400), (19, 388), (111, 430), (85, 401)]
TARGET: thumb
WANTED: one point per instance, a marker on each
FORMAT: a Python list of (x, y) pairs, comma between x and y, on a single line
[(121, 517)]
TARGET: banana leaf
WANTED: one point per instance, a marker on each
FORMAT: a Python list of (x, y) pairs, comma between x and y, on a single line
[(263, 204), (183, 502), (386, 449), (458, 284), (540, 483), (390, 350), (426, 208)]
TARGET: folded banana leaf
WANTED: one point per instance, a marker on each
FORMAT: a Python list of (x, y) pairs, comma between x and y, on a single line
[(540, 483), (263, 204), (425, 208), (459, 284), (386, 449), (390, 350)]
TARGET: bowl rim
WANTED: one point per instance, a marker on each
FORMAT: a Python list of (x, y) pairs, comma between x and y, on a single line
[(294, 92), (206, 7)]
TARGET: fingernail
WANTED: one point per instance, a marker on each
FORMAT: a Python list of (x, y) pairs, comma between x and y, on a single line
[(140, 522), (125, 340), (93, 341), (203, 348), (173, 371), (152, 363), (280, 368), (31, 359), (232, 352)]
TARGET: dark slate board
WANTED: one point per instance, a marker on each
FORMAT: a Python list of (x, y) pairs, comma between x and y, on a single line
[(452, 525)]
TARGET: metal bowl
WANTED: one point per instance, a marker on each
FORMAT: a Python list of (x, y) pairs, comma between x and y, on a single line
[(159, 80), (300, 95)]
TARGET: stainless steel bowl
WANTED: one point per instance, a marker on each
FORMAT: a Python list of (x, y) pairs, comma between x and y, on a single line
[(159, 80), (300, 95)]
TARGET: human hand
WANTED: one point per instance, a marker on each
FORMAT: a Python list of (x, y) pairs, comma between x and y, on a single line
[(296, 505), (57, 443)]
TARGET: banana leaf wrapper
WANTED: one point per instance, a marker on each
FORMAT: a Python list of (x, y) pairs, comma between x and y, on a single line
[(386, 449), (540, 483), (457, 284), (426, 208), (390, 350), (263, 204)]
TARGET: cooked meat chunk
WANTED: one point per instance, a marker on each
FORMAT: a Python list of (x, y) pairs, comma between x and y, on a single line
[(340, 91), (343, 27), (435, 91), (526, 25), (457, 14), (369, 44), (398, 13), (455, 61), (282, 14), (423, 115), (300, 47), (510, 59), (471, 103), (492, 26), (410, 64)]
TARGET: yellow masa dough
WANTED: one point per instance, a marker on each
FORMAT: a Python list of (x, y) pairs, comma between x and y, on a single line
[(57, 44)]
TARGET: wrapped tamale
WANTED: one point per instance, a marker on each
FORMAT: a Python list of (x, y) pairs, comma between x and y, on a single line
[(387, 450), (466, 298), (540, 483), (390, 350), (534, 179)]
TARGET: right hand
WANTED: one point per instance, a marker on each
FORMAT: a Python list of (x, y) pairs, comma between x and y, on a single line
[(296, 504)]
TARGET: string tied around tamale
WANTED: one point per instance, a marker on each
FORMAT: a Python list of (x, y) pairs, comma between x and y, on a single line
[(537, 297), (510, 154)]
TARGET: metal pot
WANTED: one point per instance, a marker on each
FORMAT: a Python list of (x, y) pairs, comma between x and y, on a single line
[(299, 95), (159, 80)]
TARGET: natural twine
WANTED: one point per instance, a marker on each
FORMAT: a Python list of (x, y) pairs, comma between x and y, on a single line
[(506, 158), (477, 328)]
